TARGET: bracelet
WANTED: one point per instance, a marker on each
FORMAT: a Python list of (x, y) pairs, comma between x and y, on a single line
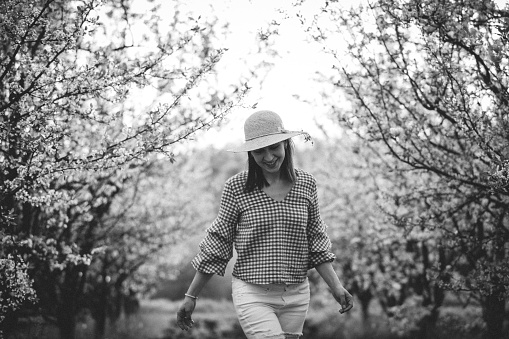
[(191, 296)]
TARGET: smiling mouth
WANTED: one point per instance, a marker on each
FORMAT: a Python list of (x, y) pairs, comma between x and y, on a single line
[(270, 164)]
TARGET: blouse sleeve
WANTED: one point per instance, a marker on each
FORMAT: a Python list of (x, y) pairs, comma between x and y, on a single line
[(216, 249), (318, 240)]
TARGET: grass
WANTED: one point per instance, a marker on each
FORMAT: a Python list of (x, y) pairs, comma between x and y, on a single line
[(216, 319)]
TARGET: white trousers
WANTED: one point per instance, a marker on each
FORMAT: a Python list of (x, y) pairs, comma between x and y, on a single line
[(272, 311)]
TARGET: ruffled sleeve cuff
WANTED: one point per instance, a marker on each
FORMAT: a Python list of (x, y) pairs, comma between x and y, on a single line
[(208, 263), (318, 258), (320, 248)]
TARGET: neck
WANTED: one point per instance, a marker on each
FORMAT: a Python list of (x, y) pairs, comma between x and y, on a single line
[(272, 177)]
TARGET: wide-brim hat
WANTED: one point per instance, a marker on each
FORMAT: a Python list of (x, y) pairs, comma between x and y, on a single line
[(262, 129)]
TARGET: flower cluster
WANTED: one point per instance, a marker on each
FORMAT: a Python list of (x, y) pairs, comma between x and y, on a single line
[(499, 178), (15, 286)]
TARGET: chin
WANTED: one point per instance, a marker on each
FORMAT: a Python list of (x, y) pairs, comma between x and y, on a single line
[(273, 170)]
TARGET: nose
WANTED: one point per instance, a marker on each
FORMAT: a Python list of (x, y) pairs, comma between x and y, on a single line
[(267, 155)]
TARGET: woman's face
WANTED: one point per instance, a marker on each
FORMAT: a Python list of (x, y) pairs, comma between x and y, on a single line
[(270, 158)]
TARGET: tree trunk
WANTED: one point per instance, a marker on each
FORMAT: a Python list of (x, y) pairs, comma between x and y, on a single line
[(100, 325), (67, 324), (493, 314), (100, 308), (69, 299), (433, 294), (365, 298)]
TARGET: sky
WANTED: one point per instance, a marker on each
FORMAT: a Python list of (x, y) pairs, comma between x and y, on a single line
[(289, 78)]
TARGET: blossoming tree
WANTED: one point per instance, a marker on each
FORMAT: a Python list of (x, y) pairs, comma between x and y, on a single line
[(427, 81), (78, 122)]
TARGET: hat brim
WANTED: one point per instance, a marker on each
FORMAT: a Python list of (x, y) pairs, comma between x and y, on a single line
[(264, 141)]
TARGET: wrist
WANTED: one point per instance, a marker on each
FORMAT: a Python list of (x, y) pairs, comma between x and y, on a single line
[(337, 288), (190, 296)]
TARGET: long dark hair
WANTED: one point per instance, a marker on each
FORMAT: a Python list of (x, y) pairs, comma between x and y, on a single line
[(255, 177)]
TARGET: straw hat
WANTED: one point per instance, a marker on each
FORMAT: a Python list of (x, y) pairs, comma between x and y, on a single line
[(264, 128)]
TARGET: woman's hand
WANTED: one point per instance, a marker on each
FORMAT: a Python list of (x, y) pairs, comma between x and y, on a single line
[(343, 297), (184, 312), (186, 309)]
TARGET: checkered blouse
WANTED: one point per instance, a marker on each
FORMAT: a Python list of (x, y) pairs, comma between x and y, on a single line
[(276, 241)]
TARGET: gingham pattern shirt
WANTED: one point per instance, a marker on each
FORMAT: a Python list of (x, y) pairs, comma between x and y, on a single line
[(276, 241)]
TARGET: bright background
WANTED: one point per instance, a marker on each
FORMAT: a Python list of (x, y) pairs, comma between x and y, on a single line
[(288, 86)]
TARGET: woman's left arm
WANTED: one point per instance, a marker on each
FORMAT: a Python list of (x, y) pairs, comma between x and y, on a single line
[(342, 296)]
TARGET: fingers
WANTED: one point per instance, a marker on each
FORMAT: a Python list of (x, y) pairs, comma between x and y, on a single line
[(346, 309), (185, 323), (184, 320), (347, 304)]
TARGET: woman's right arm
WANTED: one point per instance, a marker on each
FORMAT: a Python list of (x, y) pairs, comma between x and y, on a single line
[(184, 320), (216, 249)]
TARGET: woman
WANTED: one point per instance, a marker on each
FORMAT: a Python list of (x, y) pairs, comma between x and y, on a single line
[(270, 213)]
